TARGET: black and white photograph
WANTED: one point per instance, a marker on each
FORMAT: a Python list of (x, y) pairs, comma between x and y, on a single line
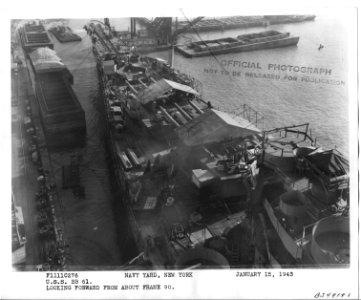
[(183, 155)]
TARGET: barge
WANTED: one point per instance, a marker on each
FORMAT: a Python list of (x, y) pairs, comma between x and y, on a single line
[(282, 19), (61, 114), (33, 36), (241, 22), (64, 34), (246, 42), (223, 23), (60, 111)]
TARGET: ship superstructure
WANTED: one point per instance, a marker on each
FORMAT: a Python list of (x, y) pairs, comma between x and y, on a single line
[(184, 169), (307, 198)]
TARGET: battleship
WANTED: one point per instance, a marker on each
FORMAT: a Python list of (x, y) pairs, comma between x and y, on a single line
[(195, 188), (206, 189)]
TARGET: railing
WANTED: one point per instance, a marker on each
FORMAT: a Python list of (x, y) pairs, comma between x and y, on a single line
[(305, 232), (301, 129), (252, 116)]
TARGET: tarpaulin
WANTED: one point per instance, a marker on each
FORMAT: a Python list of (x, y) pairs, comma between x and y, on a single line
[(330, 162), (46, 60), (161, 87), (214, 125)]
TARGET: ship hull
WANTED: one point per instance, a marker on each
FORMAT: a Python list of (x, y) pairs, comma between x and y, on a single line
[(64, 123), (288, 242), (118, 178)]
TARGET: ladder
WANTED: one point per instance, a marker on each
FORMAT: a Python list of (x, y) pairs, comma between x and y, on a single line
[(235, 253)]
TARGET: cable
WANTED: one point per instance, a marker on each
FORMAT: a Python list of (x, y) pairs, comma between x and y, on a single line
[(68, 47), (210, 51), (82, 61), (200, 38)]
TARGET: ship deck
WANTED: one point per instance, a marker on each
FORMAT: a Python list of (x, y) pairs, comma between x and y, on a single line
[(171, 212), (297, 228), (168, 207)]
